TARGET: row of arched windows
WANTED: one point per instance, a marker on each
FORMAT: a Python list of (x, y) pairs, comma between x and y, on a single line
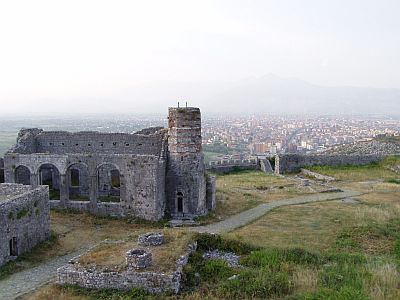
[(108, 177)]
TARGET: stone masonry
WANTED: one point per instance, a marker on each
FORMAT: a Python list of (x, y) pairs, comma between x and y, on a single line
[(24, 219), (149, 174)]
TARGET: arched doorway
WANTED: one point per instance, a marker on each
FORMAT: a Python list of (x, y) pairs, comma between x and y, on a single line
[(49, 175), (179, 202), (22, 175), (109, 183), (78, 177)]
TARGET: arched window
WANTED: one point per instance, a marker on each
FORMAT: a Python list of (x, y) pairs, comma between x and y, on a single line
[(78, 174), (49, 175), (22, 175), (109, 183)]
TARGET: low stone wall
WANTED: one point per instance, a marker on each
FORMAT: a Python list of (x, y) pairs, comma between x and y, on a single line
[(289, 163), (151, 282), (317, 175), (101, 209), (226, 166)]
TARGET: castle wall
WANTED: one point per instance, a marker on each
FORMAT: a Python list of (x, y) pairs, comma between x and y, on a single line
[(24, 218), (226, 166), (142, 181), (62, 142), (289, 163), (186, 178)]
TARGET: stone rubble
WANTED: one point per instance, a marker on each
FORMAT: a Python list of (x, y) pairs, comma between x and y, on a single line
[(231, 258)]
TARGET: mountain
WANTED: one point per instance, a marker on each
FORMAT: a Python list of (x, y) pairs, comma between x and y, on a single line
[(268, 94)]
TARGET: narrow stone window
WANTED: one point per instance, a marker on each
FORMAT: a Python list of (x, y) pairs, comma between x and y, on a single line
[(13, 247), (62, 144), (101, 144), (76, 144), (51, 144), (89, 145), (114, 143), (127, 144)]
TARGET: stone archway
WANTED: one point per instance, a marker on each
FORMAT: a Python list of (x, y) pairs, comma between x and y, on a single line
[(49, 175), (109, 183), (22, 175), (79, 182)]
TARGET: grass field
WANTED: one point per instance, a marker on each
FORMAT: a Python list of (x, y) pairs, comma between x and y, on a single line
[(239, 191)]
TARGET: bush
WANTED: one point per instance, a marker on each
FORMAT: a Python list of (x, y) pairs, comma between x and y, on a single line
[(206, 242)]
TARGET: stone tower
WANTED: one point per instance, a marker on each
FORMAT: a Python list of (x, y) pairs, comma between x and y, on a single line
[(186, 179)]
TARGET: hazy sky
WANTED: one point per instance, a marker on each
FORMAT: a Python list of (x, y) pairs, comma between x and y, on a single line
[(77, 52)]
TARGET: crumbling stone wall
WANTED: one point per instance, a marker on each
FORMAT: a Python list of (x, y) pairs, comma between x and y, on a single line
[(289, 163), (226, 166), (152, 282), (185, 181), (153, 166), (24, 219)]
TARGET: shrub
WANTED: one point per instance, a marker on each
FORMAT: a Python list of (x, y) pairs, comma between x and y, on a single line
[(207, 242)]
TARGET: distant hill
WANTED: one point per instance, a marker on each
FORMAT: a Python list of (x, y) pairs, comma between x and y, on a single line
[(267, 94), (383, 145)]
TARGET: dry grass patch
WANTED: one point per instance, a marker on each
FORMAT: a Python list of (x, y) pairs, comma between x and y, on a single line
[(385, 281), (110, 255), (305, 280), (312, 226), (81, 230), (53, 292), (244, 190)]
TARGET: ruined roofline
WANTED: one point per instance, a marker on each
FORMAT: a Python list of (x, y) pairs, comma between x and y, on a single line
[(149, 131)]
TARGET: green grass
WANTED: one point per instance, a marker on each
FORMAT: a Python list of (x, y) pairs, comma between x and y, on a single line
[(373, 171)]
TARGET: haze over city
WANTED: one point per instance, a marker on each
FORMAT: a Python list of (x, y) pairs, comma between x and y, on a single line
[(131, 57)]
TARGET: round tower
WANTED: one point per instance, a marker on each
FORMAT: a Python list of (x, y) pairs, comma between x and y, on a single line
[(186, 181)]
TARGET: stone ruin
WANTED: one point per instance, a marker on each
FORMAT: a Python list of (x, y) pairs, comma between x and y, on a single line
[(149, 174), (138, 259), (151, 239), (24, 219)]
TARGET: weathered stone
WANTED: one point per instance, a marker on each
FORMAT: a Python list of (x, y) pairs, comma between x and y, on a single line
[(24, 219), (151, 239), (146, 175), (152, 282), (138, 259)]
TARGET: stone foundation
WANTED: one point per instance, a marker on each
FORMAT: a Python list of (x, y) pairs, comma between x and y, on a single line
[(151, 239), (152, 282), (138, 259)]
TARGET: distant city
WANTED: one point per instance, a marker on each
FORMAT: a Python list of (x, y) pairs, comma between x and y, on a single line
[(230, 137)]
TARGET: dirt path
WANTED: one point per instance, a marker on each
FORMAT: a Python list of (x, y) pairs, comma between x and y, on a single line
[(253, 214), (28, 280)]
